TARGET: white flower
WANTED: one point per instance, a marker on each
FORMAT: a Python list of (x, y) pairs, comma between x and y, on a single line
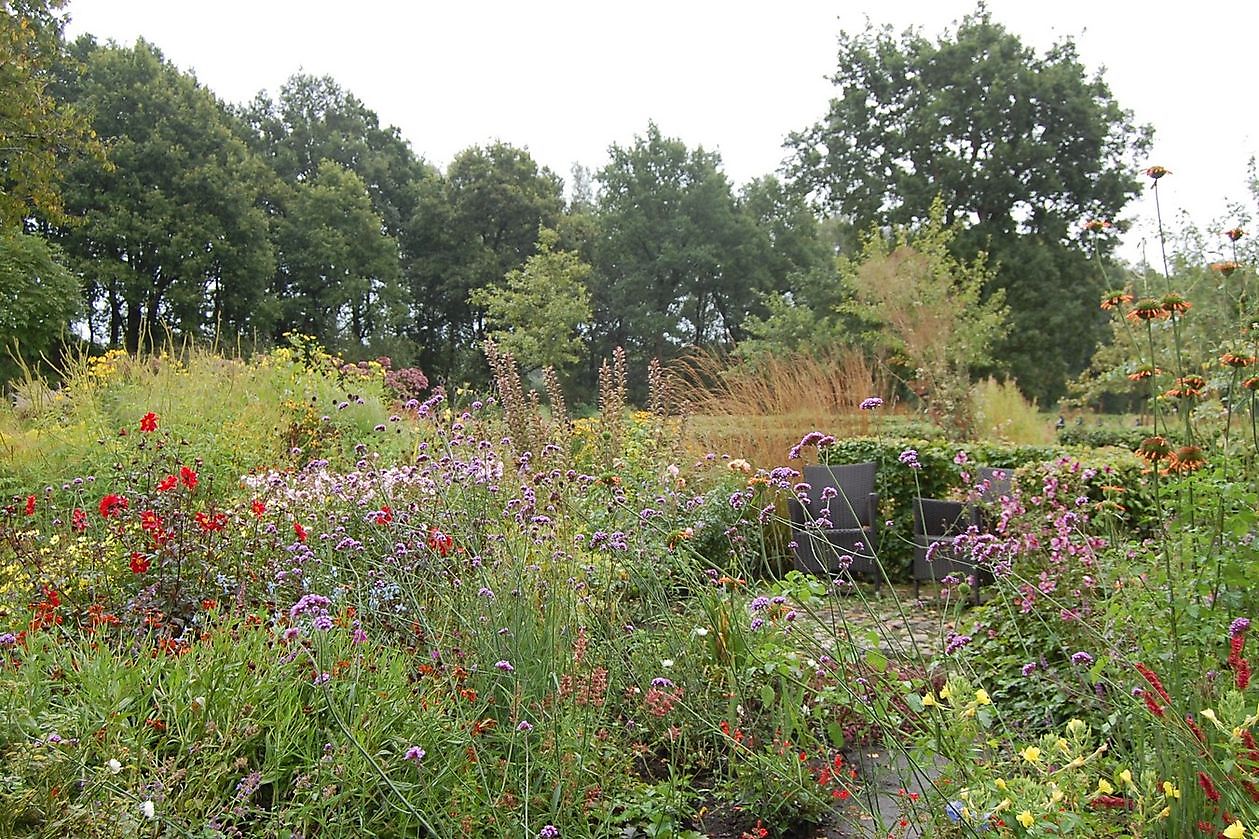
[(113, 766), (148, 810), (666, 663), (701, 631)]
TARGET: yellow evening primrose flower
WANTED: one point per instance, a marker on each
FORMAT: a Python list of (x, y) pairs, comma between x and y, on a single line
[(981, 696), (1235, 831), (1056, 796), (1165, 812), (1170, 791), (1104, 787), (945, 693), (1025, 818), (1076, 726), (1207, 713), (1126, 777), (1001, 784), (929, 699), (1062, 745), (1031, 754)]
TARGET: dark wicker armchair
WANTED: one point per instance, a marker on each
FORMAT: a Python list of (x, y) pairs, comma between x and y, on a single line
[(936, 523), (835, 534)]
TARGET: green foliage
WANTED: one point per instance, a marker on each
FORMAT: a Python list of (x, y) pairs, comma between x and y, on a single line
[(38, 299), (536, 315), (337, 273), (39, 132), (924, 307), (1019, 147), (1003, 413), (171, 234), (941, 476)]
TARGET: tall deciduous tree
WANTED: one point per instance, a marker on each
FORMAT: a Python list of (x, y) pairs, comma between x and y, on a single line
[(468, 235), (173, 232), (673, 260), (337, 274), (1021, 147), (38, 132)]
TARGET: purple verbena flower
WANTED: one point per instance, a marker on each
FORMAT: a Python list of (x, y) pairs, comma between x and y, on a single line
[(1081, 658), (870, 403)]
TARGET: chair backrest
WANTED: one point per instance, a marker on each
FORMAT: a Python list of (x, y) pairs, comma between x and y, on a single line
[(1000, 481), (939, 518), (854, 483)]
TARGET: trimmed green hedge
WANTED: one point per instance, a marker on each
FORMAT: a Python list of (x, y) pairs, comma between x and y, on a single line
[(1119, 478)]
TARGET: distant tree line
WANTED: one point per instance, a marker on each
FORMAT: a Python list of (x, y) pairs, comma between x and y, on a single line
[(171, 211)]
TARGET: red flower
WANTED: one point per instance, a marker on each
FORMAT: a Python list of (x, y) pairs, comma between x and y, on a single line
[(167, 483), (78, 520), (1208, 788), (148, 422), (139, 563), (188, 478), (1153, 679), (440, 542), (383, 516), (112, 504), (258, 507), (210, 523), (300, 531), (30, 505)]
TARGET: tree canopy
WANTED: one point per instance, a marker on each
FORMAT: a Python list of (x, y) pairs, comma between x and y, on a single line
[(1022, 149)]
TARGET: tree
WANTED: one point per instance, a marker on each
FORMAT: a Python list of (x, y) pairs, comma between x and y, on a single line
[(172, 232), (38, 299), (922, 306), (468, 233), (38, 132), (675, 264), (337, 272), (1016, 144), (536, 315)]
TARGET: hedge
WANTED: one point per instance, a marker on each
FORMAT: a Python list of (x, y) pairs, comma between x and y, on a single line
[(940, 477)]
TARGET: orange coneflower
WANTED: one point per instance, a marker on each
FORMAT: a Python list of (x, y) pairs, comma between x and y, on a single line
[(1232, 359), (1226, 267), (1115, 299), (1235, 234), (1175, 303), (1187, 459), (1147, 309), (1187, 387), (1154, 449), (1156, 172), (1252, 383), (1097, 225), (1145, 371)]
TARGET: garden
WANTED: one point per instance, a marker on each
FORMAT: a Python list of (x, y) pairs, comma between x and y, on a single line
[(293, 596)]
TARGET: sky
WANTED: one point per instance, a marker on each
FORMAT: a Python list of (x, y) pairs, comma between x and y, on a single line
[(568, 79)]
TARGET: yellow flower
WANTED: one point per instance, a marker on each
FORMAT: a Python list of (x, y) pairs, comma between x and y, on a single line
[(981, 696), (1062, 745), (1056, 796), (929, 699), (1025, 819), (1104, 787), (1207, 713), (1031, 754), (1170, 791), (1165, 812), (1235, 831), (1001, 784), (1126, 777), (1077, 726), (945, 693)]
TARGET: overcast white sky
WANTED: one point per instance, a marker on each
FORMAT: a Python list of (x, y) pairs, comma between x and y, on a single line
[(566, 79)]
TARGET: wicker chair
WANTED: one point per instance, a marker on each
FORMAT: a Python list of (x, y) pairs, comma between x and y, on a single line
[(843, 500), (936, 523)]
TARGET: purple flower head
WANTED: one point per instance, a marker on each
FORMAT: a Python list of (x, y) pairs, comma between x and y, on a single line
[(909, 457), (550, 831), (661, 682), (1081, 658), (955, 642), (414, 754), (870, 403), (1238, 626), (8, 639), (1029, 668), (505, 666), (757, 623), (525, 726), (759, 603)]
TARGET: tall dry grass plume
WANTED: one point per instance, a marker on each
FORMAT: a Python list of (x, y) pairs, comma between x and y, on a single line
[(1003, 413), (760, 408)]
